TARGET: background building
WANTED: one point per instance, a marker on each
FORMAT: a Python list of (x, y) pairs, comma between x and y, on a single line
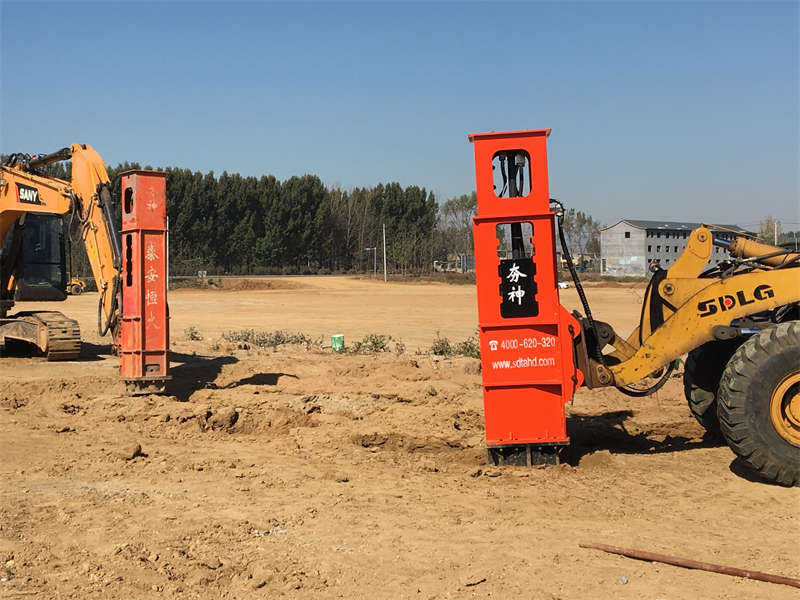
[(628, 247)]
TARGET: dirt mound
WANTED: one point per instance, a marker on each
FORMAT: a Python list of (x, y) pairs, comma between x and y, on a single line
[(610, 283), (236, 284), (404, 443)]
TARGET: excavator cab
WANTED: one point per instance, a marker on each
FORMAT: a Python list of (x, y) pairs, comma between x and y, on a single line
[(33, 253), (41, 270)]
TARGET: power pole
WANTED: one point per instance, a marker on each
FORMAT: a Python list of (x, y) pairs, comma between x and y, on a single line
[(384, 252)]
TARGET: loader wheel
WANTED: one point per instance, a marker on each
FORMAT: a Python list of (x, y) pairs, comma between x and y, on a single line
[(75, 289), (701, 375), (759, 403)]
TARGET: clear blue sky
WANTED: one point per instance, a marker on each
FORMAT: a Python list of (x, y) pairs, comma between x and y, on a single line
[(682, 111)]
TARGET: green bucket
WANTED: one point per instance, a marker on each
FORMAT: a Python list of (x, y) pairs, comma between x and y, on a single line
[(337, 343)]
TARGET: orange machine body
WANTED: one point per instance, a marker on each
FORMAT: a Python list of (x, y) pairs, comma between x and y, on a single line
[(144, 359), (527, 351)]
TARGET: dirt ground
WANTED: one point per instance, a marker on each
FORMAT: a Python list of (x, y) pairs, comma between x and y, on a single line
[(298, 473)]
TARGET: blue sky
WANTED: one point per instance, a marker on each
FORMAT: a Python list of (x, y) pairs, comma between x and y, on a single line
[(682, 111)]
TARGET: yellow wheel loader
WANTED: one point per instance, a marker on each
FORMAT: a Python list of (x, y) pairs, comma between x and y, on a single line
[(75, 286), (739, 322)]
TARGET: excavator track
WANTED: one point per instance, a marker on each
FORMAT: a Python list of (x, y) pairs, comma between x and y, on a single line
[(57, 336), (63, 336)]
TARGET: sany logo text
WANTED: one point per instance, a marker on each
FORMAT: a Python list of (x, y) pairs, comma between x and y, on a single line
[(27, 194)]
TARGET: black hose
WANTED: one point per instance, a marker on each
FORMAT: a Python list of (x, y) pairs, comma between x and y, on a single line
[(598, 351), (104, 203), (502, 159), (629, 391), (789, 263), (103, 329), (17, 159)]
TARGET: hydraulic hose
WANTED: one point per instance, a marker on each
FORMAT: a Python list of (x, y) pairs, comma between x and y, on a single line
[(596, 348), (111, 320), (598, 351), (636, 393)]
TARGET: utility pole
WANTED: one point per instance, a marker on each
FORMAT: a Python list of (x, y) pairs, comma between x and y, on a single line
[(384, 252), (775, 224)]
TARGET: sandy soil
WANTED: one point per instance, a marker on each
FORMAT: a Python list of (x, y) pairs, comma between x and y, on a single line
[(302, 474)]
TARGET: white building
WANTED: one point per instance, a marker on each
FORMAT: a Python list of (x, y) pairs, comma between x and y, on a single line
[(629, 246)]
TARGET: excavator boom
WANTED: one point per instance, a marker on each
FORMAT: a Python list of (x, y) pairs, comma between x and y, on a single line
[(92, 194)]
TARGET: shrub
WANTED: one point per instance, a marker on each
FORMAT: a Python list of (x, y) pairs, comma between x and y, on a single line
[(192, 333), (372, 342), (441, 346), (470, 347), (267, 339)]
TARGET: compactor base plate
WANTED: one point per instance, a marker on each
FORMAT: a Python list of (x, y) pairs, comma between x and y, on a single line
[(523, 455)]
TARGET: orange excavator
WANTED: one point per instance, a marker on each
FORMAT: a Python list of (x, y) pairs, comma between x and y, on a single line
[(33, 207)]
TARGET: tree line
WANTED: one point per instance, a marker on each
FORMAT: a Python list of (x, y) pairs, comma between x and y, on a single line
[(771, 231), (454, 230), (237, 225), (244, 225), (230, 224)]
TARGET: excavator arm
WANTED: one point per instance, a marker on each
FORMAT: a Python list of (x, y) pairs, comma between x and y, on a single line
[(92, 206)]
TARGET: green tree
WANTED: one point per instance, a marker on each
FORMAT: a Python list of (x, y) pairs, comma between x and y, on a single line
[(454, 225), (770, 229), (582, 233)]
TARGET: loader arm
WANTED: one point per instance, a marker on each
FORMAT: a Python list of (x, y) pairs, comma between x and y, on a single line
[(682, 309), (698, 320)]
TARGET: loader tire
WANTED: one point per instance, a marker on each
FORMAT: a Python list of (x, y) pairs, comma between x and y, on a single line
[(76, 289), (701, 375), (758, 403)]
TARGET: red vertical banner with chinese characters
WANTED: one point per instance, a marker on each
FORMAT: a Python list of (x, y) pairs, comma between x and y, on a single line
[(144, 359)]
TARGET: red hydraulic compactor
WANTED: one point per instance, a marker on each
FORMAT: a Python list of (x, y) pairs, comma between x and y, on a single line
[(527, 338), (144, 353)]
